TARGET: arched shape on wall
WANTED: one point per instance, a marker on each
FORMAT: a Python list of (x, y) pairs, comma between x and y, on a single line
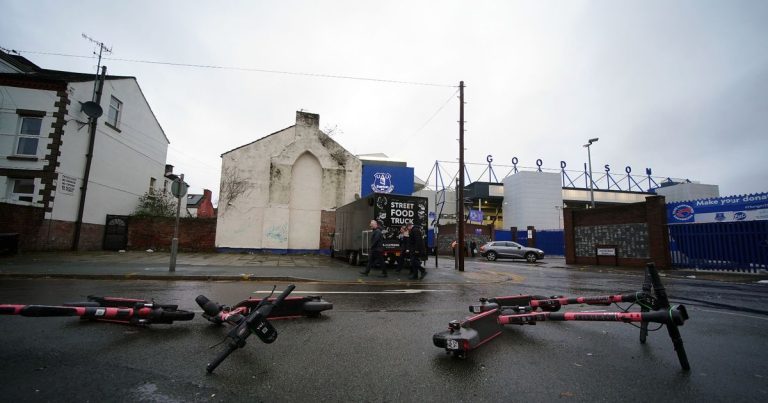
[(305, 203)]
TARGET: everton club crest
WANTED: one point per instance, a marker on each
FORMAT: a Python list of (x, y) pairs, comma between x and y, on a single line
[(382, 183)]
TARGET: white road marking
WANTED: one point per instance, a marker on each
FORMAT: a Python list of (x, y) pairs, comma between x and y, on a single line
[(734, 314), (360, 292)]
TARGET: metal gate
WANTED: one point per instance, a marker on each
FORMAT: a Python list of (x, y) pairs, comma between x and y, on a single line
[(740, 246), (116, 232)]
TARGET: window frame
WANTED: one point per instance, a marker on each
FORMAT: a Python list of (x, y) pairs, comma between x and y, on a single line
[(18, 196), (20, 136), (118, 112)]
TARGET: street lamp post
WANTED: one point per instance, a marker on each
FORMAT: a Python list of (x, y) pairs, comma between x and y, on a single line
[(589, 157)]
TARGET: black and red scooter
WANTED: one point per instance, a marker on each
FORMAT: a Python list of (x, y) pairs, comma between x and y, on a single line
[(127, 311), (291, 307), (252, 316), (492, 313)]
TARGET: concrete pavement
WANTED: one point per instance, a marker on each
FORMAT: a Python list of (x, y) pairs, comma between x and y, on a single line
[(290, 268)]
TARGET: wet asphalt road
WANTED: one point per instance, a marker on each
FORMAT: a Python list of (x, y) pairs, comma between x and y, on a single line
[(377, 346)]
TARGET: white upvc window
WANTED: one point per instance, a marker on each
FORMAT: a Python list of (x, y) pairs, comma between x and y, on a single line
[(22, 190), (28, 136), (114, 112)]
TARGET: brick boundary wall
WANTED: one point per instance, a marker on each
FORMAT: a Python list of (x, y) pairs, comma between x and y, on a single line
[(327, 228), (652, 212), (195, 234), (24, 220), (39, 234)]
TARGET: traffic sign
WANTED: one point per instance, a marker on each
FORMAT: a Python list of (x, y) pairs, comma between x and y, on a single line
[(178, 188)]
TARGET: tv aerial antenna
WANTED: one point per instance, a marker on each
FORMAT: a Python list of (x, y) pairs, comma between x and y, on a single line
[(102, 48)]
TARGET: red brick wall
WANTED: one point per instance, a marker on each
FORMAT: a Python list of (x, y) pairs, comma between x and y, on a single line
[(24, 220), (195, 234), (652, 212), (327, 227), (206, 206), (39, 234), (58, 235)]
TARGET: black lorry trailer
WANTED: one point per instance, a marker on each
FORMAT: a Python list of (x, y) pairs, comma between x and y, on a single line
[(352, 238)]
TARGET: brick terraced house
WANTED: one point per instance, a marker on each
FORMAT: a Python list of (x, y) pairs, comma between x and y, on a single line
[(44, 140)]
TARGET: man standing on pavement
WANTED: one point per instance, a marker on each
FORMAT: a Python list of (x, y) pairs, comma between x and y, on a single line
[(376, 253), (418, 252), (404, 245)]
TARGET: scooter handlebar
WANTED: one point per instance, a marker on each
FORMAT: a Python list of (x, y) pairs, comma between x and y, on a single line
[(221, 357), (209, 307)]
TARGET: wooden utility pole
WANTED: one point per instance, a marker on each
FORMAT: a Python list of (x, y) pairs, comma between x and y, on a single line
[(460, 185), (92, 121), (98, 87)]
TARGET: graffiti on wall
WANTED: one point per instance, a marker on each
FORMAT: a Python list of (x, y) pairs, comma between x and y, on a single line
[(278, 233)]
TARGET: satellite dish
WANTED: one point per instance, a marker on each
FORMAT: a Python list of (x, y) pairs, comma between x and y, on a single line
[(91, 109)]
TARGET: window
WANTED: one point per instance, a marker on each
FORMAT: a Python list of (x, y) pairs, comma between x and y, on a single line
[(152, 185), (29, 135), (23, 189), (115, 109)]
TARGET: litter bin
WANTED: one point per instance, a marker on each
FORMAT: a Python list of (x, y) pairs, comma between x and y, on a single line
[(9, 243)]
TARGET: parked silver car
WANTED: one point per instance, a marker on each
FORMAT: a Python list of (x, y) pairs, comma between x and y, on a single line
[(497, 249)]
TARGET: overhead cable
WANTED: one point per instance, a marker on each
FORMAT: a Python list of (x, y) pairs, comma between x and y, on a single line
[(250, 69)]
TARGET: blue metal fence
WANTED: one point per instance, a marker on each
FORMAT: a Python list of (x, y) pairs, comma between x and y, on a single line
[(732, 246), (502, 235), (551, 242)]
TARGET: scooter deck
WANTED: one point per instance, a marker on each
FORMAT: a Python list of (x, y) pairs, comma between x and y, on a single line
[(544, 303), (469, 334), (291, 307)]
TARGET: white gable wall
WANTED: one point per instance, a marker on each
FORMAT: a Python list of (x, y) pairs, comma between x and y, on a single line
[(292, 175), (123, 162)]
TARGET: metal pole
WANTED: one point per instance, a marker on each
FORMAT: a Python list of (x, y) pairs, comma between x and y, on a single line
[(460, 218), (480, 208), (175, 240), (437, 215), (591, 190)]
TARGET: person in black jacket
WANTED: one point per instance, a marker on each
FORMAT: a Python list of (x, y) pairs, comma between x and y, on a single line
[(418, 251), (376, 253), (404, 245)]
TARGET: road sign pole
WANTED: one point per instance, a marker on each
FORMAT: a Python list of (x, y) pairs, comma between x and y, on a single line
[(175, 240)]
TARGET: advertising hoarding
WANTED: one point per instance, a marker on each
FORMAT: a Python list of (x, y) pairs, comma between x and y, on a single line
[(386, 179), (722, 209)]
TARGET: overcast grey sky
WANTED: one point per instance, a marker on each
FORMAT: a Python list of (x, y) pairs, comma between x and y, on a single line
[(677, 86)]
